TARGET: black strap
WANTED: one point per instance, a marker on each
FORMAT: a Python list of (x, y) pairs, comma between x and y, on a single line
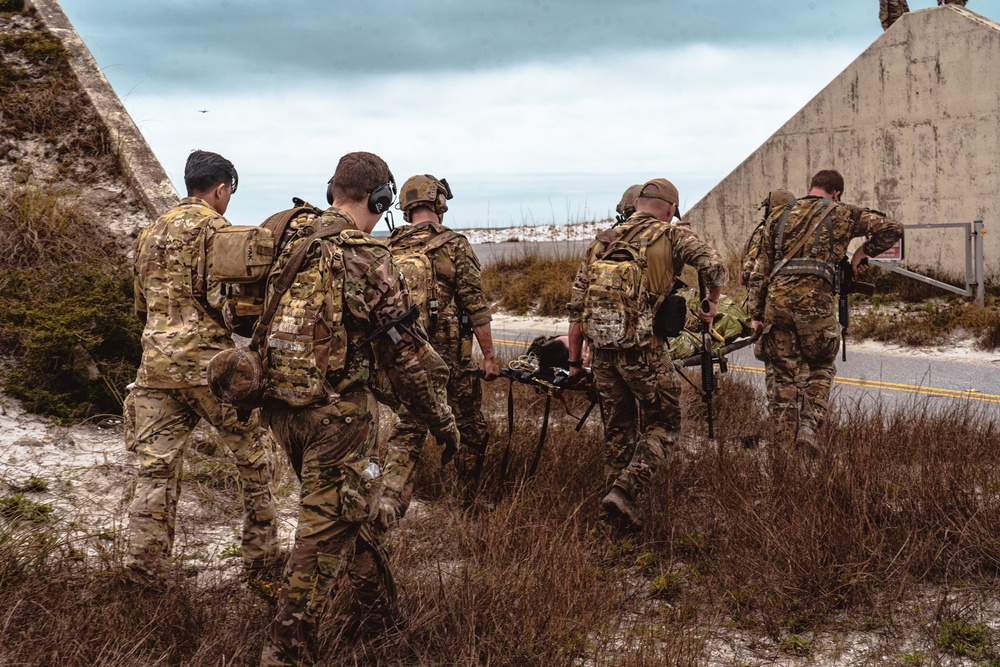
[(510, 431), (541, 439)]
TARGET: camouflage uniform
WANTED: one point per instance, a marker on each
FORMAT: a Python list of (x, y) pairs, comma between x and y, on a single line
[(460, 292), (775, 200), (639, 388), (327, 443), (183, 330), (801, 332), (890, 10)]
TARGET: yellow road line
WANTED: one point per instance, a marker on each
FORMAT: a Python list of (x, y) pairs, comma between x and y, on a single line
[(940, 392)]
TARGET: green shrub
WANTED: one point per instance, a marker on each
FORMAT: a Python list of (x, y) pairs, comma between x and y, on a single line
[(971, 640), (63, 327), (65, 308)]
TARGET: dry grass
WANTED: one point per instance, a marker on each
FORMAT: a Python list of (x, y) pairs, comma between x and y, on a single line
[(753, 539), (528, 282)]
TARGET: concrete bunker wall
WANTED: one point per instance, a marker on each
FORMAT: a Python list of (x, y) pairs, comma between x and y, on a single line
[(146, 176), (913, 124)]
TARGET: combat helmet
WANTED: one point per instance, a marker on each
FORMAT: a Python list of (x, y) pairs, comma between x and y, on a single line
[(626, 207), (776, 199), (424, 190)]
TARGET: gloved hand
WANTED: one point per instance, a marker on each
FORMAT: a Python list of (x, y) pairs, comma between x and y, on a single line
[(450, 438)]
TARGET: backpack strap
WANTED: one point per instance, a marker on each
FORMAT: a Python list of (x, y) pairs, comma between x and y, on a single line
[(824, 214), (781, 226), (285, 280)]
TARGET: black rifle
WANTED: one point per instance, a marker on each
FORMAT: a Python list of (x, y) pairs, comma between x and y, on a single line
[(707, 367), (846, 286), (718, 355)]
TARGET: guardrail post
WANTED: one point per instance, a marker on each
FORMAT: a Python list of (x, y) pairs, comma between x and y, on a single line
[(979, 232)]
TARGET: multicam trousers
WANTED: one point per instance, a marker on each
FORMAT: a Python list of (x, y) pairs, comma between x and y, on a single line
[(325, 445), (802, 347), (465, 396), (164, 418), (890, 10), (640, 396)]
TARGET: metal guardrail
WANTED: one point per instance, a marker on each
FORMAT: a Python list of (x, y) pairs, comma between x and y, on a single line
[(974, 262)]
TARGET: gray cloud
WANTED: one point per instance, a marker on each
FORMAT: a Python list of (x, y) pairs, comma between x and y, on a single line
[(229, 44)]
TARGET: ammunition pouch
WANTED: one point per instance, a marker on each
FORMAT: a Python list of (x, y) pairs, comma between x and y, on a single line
[(669, 318)]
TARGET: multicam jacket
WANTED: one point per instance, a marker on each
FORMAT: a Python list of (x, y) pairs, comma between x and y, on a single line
[(666, 257), (813, 291), (181, 306), (459, 284), (373, 293)]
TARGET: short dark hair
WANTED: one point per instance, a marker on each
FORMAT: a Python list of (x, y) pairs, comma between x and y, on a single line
[(828, 180), (358, 175), (204, 170), (552, 355)]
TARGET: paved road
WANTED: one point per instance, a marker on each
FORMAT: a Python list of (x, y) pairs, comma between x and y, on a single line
[(870, 373)]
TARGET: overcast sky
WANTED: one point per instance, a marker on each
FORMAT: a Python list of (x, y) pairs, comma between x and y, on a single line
[(536, 111)]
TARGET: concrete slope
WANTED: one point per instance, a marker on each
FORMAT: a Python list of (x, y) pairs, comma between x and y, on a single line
[(146, 176), (913, 126)]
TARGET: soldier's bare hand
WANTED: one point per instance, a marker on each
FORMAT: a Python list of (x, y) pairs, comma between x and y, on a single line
[(859, 262), (490, 370), (707, 314), (758, 327)]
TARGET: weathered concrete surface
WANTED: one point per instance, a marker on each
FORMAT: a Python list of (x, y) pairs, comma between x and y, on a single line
[(913, 126), (146, 176)]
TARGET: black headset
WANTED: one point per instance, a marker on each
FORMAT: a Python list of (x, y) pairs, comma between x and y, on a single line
[(379, 200)]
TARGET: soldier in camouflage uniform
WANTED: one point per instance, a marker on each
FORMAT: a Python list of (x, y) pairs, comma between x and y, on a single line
[(890, 10), (181, 305), (461, 313), (639, 387), (775, 200), (330, 442), (792, 298), (626, 207)]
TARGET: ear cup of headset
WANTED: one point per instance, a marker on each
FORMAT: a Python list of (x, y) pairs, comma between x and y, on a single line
[(329, 191), (380, 199)]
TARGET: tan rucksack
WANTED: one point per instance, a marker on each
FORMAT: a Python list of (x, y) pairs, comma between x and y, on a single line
[(618, 307), (244, 255), (416, 263)]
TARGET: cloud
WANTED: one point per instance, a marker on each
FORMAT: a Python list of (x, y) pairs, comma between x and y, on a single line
[(230, 44), (534, 142)]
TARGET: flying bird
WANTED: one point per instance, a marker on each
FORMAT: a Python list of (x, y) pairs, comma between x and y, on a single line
[(202, 110)]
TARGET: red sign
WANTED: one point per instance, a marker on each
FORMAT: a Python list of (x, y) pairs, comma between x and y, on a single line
[(893, 254)]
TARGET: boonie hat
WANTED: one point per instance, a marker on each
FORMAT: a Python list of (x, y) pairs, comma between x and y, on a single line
[(661, 188)]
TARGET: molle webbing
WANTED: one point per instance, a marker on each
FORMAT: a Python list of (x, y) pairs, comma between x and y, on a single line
[(807, 266)]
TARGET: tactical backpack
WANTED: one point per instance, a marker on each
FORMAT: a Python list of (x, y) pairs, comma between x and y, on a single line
[(307, 339), (243, 257), (618, 309), (240, 376), (416, 263)]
